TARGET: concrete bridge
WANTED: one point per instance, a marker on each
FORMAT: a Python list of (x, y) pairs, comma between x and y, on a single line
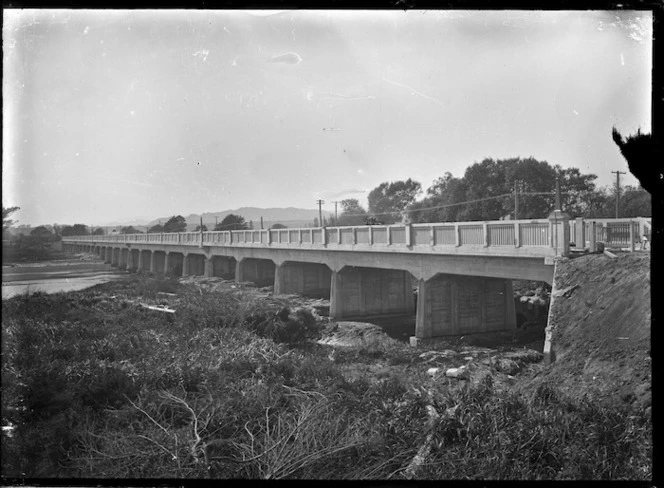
[(462, 271)]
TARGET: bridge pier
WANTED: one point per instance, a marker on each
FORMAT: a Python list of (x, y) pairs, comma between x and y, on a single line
[(456, 305), (115, 257), (139, 265), (208, 267), (357, 292)]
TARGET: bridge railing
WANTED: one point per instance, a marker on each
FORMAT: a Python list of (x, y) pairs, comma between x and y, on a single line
[(614, 233), (503, 234)]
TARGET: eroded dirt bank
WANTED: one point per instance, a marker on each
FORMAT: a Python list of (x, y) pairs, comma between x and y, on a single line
[(600, 320)]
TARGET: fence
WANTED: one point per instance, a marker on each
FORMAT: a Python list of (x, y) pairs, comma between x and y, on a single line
[(613, 233)]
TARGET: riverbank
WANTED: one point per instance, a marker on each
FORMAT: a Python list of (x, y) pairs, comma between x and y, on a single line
[(56, 275), (204, 378)]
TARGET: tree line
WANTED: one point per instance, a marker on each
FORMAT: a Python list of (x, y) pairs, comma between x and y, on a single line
[(493, 190)]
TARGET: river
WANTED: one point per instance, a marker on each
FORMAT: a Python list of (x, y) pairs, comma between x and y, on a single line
[(55, 276)]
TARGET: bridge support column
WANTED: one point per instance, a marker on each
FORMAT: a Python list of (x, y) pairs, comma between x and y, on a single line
[(280, 279), (140, 264), (185, 265), (166, 262), (456, 305), (209, 268), (153, 262), (239, 270), (115, 257)]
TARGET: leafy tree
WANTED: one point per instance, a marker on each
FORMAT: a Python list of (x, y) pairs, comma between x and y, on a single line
[(577, 191), (644, 157), (75, 230), (156, 229), (129, 230), (99, 231), (198, 228), (6, 221), (353, 213), (488, 187), (278, 226), (232, 222), (389, 200), (176, 223), (439, 203), (42, 231)]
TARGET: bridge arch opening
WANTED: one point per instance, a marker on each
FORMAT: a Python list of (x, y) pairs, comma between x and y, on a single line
[(157, 262), (173, 263), (259, 271), (307, 279), (361, 292), (193, 264), (224, 267)]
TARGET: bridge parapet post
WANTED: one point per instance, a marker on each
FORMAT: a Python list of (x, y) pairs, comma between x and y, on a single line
[(559, 222)]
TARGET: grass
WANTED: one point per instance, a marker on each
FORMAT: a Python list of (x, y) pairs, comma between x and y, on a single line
[(231, 386)]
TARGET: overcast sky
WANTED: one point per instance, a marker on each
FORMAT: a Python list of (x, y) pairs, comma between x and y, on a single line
[(112, 115)]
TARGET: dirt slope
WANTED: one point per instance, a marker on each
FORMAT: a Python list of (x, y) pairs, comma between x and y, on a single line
[(601, 320)]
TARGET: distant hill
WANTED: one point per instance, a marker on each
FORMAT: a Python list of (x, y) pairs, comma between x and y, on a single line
[(290, 217)]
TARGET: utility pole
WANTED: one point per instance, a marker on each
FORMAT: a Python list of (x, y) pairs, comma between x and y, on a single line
[(516, 200), (336, 217), (261, 222), (618, 173), (216, 222), (558, 202), (320, 212)]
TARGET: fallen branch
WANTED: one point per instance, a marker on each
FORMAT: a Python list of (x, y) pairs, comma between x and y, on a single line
[(610, 254), (425, 449), (157, 309)]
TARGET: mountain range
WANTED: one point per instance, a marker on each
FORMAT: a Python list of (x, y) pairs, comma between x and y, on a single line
[(290, 217)]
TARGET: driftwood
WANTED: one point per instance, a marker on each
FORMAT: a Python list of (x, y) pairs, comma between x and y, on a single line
[(156, 309), (425, 449), (610, 254)]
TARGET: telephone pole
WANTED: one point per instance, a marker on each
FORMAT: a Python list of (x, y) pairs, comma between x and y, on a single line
[(336, 217), (618, 173), (516, 200), (320, 212)]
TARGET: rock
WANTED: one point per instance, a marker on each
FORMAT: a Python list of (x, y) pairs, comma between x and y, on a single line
[(459, 373), (507, 366), (433, 371), (524, 355)]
